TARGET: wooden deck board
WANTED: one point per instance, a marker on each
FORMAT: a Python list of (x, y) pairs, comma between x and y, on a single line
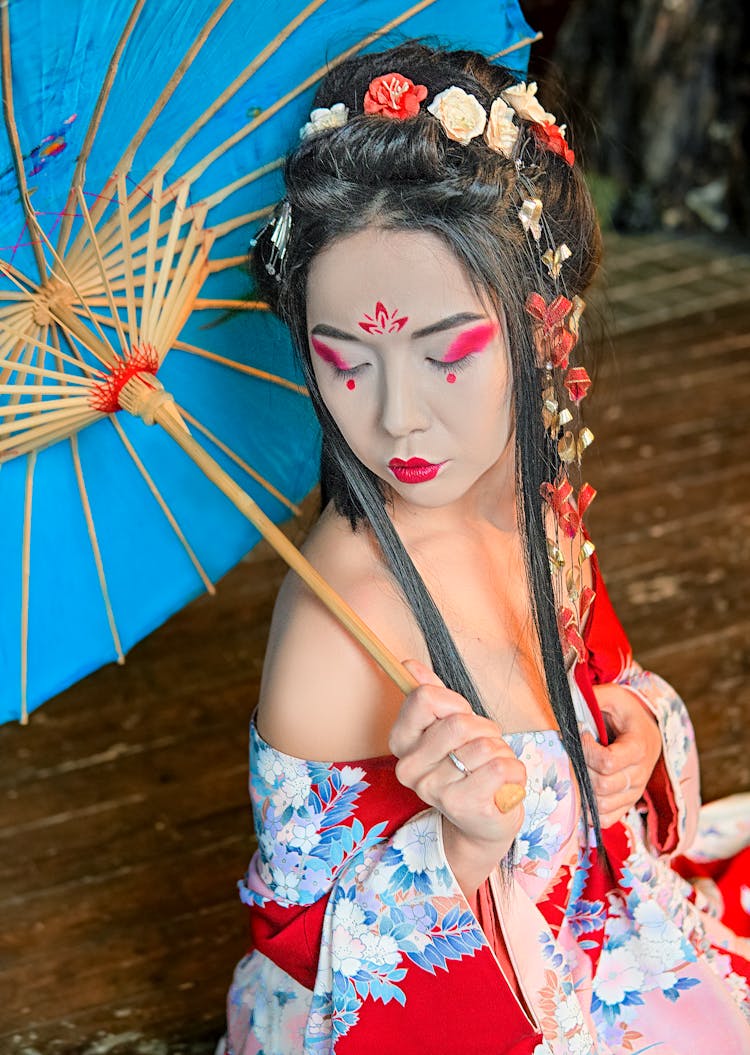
[(124, 820)]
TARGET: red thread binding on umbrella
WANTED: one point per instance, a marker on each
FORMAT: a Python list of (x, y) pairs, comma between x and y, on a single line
[(106, 394)]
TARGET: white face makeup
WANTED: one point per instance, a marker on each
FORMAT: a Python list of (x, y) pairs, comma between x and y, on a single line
[(410, 363)]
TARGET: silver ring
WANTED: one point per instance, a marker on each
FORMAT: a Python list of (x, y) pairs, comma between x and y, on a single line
[(458, 763)]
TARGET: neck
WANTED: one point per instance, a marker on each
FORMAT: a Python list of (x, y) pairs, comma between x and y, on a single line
[(491, 500)]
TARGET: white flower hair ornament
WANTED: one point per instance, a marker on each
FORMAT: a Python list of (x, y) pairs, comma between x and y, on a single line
[(522, 97), (462, 115), (502, 131), (323, 118)]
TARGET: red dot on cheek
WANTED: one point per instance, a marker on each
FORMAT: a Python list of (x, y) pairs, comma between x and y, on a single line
[(351, 383), (451, 379)]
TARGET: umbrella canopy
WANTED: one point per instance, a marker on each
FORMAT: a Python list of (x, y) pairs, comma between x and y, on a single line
[(141, 149)]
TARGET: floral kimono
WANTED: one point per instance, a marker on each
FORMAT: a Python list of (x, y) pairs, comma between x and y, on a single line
[(363, 942)]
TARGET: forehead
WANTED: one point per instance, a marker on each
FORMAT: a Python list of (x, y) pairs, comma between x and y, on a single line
[(413, 272)]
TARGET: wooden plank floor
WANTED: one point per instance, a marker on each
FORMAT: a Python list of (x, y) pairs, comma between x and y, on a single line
[(125, 822)]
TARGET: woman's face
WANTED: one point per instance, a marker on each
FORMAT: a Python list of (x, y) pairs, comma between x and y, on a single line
[(411, 365)]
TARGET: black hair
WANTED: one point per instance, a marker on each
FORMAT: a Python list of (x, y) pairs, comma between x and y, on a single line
[(408, 175)]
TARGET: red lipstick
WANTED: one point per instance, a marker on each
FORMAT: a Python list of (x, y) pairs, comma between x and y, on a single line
[(415, 471)]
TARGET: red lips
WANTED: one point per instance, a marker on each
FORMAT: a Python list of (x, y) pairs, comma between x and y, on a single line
[(415, 470)]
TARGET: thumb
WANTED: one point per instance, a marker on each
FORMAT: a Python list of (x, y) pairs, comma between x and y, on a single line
[(423, 674), (592, 750)]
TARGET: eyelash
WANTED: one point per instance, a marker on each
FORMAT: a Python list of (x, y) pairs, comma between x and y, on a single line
[(457, 364), (437, 364)]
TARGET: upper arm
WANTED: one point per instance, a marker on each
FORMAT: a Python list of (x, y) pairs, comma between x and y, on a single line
[(322, 696)]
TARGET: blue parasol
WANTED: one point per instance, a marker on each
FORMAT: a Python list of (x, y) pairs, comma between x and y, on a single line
[(142, 149)]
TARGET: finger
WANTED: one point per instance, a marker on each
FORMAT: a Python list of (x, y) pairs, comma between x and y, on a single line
[(612, 758), (457, 732), (471, 801), (423, 674), (627, 783), (429, 701), (432, 785), (596, 754), (472, 739), (423, 707)]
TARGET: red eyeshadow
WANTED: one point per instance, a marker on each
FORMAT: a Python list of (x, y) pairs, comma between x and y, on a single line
[(474, 340), (329, 355)]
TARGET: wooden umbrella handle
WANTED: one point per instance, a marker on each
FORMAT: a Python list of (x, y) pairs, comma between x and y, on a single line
[(508, 796)]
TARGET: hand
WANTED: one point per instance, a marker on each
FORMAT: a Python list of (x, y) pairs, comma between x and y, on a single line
[(432, 721), (621, 770)]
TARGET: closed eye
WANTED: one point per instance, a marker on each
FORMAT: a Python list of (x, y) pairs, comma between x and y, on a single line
[(450, 366)]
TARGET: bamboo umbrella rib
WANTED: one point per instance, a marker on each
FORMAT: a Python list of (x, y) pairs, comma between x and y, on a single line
[(18, 318), (218, 196), (25, 581), (83, 383), (15, 346), (126, 161), (10, 295), (79, 174), (240, 462), (108, 233), (220, 229), (239, 82), (95, 548), (100, 262), (9, 448), (168, 252), (42, 406), (252, 371), (231, 305), (154, 208), (127, 251), (22, 360), (17, 276), (42, 389), (193, 256), (58, 354), (181, 298), (101, 350), (54, 350), (72, 410), (162, 504), (200, 167), (517, 46), (61, 264), (15, 144), (226, 262)]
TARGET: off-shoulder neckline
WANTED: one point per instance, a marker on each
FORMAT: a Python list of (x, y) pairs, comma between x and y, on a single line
[(374, 760), (390, 760)]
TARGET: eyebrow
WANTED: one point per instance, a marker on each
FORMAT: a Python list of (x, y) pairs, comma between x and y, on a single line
[(324, 330)]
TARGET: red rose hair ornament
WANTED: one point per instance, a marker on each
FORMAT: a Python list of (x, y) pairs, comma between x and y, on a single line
[(394, 95)]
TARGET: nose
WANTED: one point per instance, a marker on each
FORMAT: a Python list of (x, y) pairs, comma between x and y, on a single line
[(403, 410)]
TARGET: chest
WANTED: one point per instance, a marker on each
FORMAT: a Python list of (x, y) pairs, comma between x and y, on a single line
[(484, 598)]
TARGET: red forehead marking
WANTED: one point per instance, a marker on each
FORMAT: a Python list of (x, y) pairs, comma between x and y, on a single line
[(383, 321)]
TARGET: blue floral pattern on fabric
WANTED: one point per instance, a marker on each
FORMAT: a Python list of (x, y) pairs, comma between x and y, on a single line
[(304, 812), (383, 915)]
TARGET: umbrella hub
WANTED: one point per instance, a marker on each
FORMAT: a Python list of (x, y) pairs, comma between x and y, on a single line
[(53, 293)]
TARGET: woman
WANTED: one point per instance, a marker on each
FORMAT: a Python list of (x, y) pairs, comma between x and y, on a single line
[(429, 259)]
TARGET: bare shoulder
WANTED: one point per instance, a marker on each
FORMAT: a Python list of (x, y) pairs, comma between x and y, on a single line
[(322, 696)]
